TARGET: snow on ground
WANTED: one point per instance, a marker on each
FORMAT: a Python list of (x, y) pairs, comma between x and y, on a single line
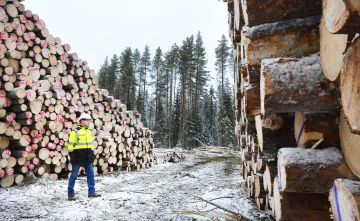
[(164, 192)]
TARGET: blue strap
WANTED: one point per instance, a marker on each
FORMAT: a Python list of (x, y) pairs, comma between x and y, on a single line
[(301, 132), (337, 202)]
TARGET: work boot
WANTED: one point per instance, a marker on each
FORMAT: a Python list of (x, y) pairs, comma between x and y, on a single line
[(94, 195), (71, 198)]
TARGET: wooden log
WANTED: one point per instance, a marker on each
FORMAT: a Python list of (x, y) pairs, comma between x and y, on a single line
[(296, 37), (296, 84), (7, 181), (269, 11), (332, 49), (310, 128), (300, 206), (344, 198), (349, 143), (342, 16), (349, 86), (309, 170)]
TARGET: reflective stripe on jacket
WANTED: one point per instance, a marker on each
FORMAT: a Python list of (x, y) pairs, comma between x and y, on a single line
[(80, 139)]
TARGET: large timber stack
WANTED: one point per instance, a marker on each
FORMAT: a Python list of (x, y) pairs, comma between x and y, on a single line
[(43, 89), (298, 105)]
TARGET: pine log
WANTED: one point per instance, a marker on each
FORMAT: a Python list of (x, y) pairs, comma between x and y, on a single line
[(7, 181), (296, 84), (349, 143), (300, 206), (296, 37), (332, 48), (268, 11), (344, 198), (349, 86), (310, 170), (310, 128), (342, 16)]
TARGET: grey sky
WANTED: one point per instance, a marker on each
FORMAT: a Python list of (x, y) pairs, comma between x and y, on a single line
[(96, 29)]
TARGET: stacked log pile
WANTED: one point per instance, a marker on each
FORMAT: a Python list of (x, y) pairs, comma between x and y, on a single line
[(43, 89), (297, 98)]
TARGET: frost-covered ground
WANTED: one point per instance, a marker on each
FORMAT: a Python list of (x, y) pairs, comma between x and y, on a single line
[(163, 192)]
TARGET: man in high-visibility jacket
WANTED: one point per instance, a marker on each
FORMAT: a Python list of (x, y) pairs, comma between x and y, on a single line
[(80, 147)]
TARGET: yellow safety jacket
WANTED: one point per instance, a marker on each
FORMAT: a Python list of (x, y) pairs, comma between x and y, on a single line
[(80, 139)]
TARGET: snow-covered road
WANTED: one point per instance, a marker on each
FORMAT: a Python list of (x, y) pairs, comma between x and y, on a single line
[(163, 192)]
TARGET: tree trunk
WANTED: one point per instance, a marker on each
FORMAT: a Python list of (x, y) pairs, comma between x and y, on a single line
[(297, 37), (300, 206), (310, 171), (268, 11), (296, 84)]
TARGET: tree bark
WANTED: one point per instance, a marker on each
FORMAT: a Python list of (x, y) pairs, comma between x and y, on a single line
[(268, 11), (296, 84), (297, 37), (300, 206), (309, 170)]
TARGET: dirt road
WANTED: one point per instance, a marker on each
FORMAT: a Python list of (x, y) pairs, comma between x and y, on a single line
[(163, 192)]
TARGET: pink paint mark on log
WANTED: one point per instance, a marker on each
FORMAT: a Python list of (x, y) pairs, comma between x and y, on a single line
[(31, 167), (9, 171), (7, 153)]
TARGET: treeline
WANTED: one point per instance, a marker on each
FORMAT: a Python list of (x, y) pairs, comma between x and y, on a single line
[(174, 92)]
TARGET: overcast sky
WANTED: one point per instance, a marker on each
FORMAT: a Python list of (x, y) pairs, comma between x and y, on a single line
[(96, 29)]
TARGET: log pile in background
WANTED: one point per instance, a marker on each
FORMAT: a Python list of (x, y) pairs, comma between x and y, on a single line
[(298, 86), (43, 89)]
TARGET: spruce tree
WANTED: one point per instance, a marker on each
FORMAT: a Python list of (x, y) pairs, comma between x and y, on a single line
[(102, 74), (126, 81), (112, 74), (176, 122), (159, 81), (209, 125)]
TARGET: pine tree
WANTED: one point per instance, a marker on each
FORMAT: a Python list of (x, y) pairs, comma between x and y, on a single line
[(201, 75), (136, 66), (186, 71), (171, 71), (222, 54), (102, 74), (145, 68)]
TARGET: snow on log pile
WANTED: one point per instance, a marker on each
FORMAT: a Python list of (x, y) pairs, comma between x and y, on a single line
[(43, 89), (298, 86)]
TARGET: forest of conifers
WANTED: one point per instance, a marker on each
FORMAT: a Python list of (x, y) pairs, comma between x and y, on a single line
[(175, 93)]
